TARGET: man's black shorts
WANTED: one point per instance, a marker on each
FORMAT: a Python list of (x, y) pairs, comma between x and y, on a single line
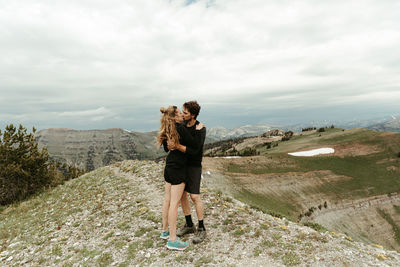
[(175, 176), (193, 180)]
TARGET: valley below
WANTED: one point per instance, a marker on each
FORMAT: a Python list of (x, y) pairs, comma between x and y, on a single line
[(353, 191)]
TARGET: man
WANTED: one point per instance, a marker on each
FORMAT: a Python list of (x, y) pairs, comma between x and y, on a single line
[(191, 110)]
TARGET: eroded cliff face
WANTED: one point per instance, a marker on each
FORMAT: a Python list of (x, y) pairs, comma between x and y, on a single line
[(374, 219), (95, 148)]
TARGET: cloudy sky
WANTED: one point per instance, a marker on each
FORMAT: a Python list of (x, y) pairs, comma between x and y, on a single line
[(96, 64)]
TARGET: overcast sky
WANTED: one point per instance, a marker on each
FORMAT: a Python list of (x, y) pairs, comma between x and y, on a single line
[(96, 64)]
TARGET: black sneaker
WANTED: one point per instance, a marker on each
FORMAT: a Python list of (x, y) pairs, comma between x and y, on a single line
[(185, 230), (200, 236)]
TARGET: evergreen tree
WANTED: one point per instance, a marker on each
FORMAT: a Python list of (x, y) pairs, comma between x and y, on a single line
[(23, 168)]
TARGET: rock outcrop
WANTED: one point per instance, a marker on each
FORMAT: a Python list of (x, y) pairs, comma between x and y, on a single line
[(95, 148), (275, 132)]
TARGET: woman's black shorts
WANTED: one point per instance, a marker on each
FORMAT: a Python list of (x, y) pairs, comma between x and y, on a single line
[(175, 176)]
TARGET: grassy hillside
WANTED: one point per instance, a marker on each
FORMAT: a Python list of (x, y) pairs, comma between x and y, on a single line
[(111, 217), (365, 165), (370, 172)]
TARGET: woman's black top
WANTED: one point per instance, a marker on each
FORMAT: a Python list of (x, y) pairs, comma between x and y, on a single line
[(176, 158)]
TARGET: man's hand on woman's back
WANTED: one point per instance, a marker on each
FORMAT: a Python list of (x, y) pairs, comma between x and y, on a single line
[(200, 126)]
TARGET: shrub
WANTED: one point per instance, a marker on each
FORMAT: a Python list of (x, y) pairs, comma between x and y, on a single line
[(308, 129), (248, 151), (268, 145), (320, 130), (287, 136)]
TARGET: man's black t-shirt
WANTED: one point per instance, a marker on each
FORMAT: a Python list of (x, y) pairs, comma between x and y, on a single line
[(195, 153)]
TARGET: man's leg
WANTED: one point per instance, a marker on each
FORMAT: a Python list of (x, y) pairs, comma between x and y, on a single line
[(201, 230), (198, 204), (188, 227), (195, 174)]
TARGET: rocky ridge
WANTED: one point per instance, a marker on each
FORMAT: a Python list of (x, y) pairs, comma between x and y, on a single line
[(91, 149), (221, 133), (111, 217), (388, 126)]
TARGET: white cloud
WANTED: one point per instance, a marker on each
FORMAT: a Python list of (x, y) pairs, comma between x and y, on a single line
[(126, 55), (100, 112)]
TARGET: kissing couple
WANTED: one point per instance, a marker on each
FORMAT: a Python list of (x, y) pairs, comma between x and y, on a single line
[(182, 136)]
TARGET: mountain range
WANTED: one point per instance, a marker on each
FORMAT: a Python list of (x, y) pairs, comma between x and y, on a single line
[(221, 133), (388, 126), (91, 149)]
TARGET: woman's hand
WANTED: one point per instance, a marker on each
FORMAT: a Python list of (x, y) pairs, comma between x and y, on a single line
[(171, 145), (200, 126)]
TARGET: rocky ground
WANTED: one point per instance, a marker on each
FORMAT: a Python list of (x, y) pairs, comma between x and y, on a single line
[(112, 217)]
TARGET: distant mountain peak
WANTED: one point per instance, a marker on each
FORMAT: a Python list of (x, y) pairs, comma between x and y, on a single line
[(221, 133)]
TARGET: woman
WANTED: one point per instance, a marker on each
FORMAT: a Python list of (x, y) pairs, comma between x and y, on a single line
[(173, 130)]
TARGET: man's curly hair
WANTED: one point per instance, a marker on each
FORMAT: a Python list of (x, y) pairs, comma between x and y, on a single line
[(193, 107)]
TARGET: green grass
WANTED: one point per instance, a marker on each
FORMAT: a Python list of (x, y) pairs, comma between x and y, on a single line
[(149, 243), (329, 137), (227, 222), (204, 260), (257, 252), (315, 226), (267, 244), (366, 177), (142, 231), (395, 227), (56, 251), (278, 164), (105, 259), (132, 249), (291, 258), (267, 204), (397, 209), (86, 253)]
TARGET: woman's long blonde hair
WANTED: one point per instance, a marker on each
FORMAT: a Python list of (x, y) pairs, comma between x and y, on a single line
[(168, 128)]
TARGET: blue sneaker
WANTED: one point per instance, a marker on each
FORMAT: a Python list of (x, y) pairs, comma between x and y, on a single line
[(177, 244), (164, 235)]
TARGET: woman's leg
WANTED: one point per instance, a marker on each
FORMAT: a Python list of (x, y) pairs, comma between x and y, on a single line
[(165, 206), (176, 194)]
